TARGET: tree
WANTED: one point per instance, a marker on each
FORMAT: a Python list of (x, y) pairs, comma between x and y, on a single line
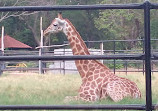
[(29, 19), (121, 24), (6, 15), (11, 22), (84, 20), (32, 21)]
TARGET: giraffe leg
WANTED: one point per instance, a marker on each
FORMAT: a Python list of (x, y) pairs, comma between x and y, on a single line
[(82, 96), (88, 97), (88, 92), (103, 93)]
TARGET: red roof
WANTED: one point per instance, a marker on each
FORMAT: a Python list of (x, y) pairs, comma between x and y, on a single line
[(10, 42)]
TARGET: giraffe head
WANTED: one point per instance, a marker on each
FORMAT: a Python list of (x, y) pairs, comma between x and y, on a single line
[(56, 26)]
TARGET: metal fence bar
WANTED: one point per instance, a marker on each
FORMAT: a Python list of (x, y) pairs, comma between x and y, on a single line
[(155, 56), (71, 7), (72, 107), (154, 5), (76, 57), (75, 107), (47, 69), (147, 56), (100, 41)]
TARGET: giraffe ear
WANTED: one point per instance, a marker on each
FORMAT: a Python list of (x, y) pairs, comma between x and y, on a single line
[(60, 16)]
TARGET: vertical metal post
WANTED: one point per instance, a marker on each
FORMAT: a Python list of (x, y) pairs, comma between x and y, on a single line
[(126, 63), (101, 50), (143, 42), (143, 51), (114, 49), (147, 56), (64, 63)]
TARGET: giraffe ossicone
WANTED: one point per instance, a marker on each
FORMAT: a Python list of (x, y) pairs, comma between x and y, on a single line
[(98, 82)]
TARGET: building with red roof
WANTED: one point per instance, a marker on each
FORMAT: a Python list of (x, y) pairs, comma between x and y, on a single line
[(10, 42)]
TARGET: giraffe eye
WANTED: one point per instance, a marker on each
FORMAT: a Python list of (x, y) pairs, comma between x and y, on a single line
[(55, 25)]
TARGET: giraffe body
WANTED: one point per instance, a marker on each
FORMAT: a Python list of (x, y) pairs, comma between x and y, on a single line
[(97, 80)]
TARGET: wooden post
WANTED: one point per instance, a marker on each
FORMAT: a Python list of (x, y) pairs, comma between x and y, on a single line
[(41, 71), (2, 40), (2, 51), (101, 50)]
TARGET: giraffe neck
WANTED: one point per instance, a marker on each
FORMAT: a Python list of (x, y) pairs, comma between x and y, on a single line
[(76, 43), (84, 67)]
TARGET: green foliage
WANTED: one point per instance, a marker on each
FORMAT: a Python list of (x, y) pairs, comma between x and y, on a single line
[(135, 65), (8, 28), (119, 24), (93, 25), (154, 33), (154, 27), (26, 37), (116, 66), (32, 64), (18, 30)]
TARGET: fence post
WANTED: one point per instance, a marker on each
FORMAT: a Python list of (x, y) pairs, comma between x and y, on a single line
[(147, 55), (114, 49), (101, 50), (41, 64), (2, 51), (1, 63)]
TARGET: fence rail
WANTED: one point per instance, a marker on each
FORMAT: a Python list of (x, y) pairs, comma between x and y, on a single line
[(73, 107), (76, 57), (72, 7)]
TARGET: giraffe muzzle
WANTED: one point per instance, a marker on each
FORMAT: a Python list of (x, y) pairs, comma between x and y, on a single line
[(46, 33)]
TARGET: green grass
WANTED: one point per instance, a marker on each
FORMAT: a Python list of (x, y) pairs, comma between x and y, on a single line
[(49, 89), (37, 89)]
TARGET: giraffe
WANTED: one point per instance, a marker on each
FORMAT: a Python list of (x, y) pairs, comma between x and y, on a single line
[(98, 82)]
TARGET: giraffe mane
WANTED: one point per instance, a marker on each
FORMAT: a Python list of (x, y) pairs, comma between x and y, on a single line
[(102, 65), (78, 35), (84, 45)]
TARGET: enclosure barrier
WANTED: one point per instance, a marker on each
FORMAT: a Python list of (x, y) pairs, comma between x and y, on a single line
[(146, 6), (75, 57), (113, 50), (73, 107)]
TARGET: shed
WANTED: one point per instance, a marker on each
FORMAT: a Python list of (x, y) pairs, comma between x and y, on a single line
[(10, 42)]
